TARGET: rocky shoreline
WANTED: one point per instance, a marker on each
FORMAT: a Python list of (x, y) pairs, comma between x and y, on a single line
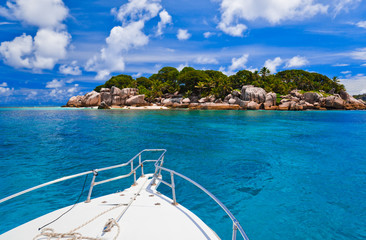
[(249, 98)]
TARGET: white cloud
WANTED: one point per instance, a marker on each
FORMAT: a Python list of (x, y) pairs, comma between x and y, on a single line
[(361, 24), (4, 84), (346, 72), (206, 60), (16, 52), (133, 16), (60, 91), (43, 52), (273, 11), (297, 61), (355, 84), (181, 66), (233, 30), (5, 23), (72, 69), (183, 34), (359, 54), (103, 74), (49, 47), (208, 34), (273, 64), (119, 41), (239, 63), (340, 65), (32, 95), (136, 10), (40, 13), (363, 65), (6, 92), (344, 5), (73, 89), (55, 84), (165, 19), (137, 75), (51, 41)]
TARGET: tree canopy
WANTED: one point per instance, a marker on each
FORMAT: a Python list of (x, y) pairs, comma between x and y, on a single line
[(190, 81)]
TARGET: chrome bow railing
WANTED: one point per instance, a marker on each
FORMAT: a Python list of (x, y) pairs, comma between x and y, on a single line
[(157, 178)]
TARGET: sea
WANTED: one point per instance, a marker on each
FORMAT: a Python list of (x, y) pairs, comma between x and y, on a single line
[(284, 175)]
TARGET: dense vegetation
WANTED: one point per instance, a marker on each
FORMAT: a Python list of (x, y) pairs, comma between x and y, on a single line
[(190, 81), (361, 96)]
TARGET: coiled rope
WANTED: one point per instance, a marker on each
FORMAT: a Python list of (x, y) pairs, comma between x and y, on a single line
[(50, 233)]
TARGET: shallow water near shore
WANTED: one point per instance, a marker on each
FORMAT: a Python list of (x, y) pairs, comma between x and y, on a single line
[(284, 175)]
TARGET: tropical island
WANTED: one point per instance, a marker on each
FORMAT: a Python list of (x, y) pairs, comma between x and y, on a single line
[(210, 89)]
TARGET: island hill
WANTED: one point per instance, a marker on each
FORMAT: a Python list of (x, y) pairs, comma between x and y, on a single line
[(209, 89)]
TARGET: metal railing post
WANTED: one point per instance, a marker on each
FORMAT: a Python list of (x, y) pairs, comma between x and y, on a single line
[(142, 167), (134, 174), (235, 228), (95, 174), (173, 188), (162, 162)]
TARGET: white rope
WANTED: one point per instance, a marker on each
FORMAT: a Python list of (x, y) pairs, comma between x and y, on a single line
[(73, 235)]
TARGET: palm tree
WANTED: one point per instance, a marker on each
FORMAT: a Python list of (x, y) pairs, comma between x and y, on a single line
[(265, 72)]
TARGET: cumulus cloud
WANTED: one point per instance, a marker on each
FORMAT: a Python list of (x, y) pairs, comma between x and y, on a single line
[(183, 34), (60, 91), (165, 19), (239, 63), (51, 40), (297, 61), (273, 11), (6, 92), (55, 84), (355, 84), (206, 60), (4, 84), (208, 34), (361, 24), (72, 69), (133, 16), (272, 64), (15, 52), (42, 52), (136, 10), (40, 13), (119, 41), (236, 64)]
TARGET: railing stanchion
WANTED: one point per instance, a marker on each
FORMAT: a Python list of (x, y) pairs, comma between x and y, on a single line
[(134, 174), (142, 167), (173, 188), (95, 174), (235, 228)]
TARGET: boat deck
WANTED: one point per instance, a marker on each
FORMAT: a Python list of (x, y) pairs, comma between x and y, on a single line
[(140, 212)]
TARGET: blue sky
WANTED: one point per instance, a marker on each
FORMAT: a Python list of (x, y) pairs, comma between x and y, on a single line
[(53, 49)]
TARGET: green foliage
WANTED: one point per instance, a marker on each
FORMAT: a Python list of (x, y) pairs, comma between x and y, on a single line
[(278, 98), (190, 81), (120, 81), (308, 81), (361, 96)]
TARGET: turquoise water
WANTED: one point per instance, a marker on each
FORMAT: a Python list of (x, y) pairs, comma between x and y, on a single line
[(284, 175)]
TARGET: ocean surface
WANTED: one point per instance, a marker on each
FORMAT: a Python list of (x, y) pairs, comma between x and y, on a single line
[(284, 175)]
